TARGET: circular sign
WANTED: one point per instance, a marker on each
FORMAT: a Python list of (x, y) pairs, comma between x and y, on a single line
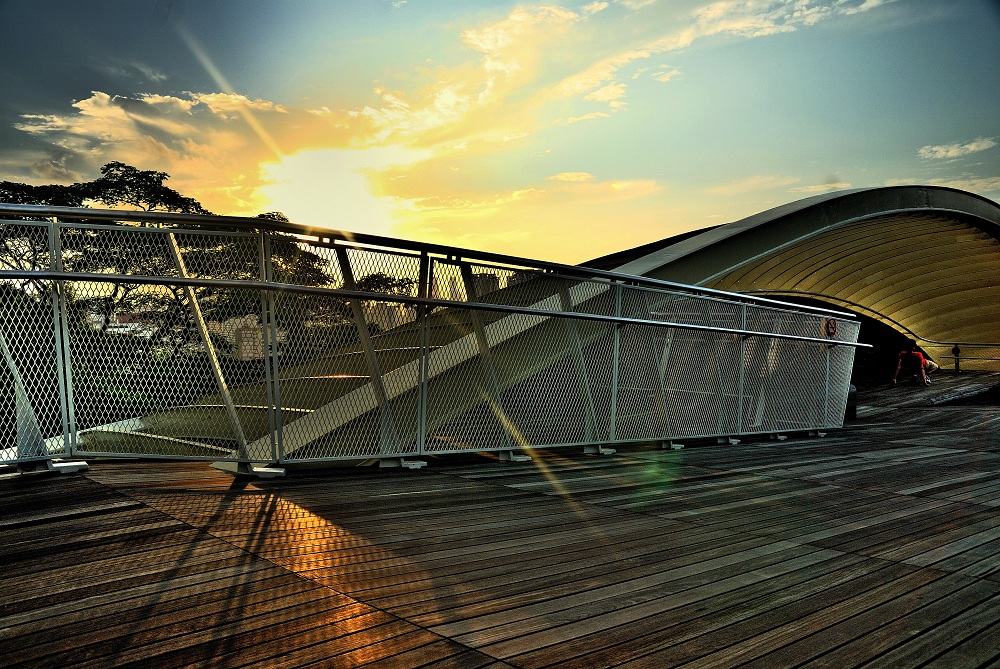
[(831, 327)]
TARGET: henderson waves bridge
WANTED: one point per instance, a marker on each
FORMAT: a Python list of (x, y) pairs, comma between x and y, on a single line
[(165, 335), (149, 337)]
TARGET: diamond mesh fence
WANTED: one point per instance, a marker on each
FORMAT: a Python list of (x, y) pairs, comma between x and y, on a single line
[(254, 346), (32, 390)]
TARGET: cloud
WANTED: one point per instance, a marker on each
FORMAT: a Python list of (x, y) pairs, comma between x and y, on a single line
[(972, 184), (821, 188), (666, 73), (202, 140), (752, 184), (956, 149), (131, 68), (585, 117), (502, 43), (572, 176), (600, 72), (565, 221), (612, 94), (523, 72), (635, 5), (743, 18)]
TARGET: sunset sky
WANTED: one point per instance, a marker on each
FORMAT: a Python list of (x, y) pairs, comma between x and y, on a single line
[(555, 131)]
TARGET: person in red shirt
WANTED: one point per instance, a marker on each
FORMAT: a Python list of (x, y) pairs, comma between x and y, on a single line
[(912, 362)]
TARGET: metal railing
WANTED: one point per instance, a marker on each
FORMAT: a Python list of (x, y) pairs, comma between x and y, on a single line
[(142, 334)]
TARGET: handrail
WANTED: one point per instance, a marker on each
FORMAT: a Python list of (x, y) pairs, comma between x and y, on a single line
[(404, 299), (390, 242), (861, 307), (643, 359)]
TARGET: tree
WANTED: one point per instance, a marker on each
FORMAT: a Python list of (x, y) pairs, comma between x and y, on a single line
[(55, 195), (124, 184)]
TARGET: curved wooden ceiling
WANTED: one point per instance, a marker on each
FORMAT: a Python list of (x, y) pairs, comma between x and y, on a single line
[(929, 273)]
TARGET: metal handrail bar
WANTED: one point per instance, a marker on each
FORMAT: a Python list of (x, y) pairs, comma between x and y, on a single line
[(405, 299), (861, 307), (380, 241), (164, 231)]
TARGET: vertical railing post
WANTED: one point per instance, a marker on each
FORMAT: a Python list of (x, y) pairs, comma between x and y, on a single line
[(661, 373), (422, 312), (485, 355), (388, 437), (743, 368), (576, 346), (766, 377), (616, 364), (273, 355), (213, 358), (826, 397), (60, 324), (267, 342), (28, 433)]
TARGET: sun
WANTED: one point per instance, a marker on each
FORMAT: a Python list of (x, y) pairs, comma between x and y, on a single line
[(334, 188)]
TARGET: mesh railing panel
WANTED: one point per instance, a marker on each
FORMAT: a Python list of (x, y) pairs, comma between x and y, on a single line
[(31, 398), (174, 354)]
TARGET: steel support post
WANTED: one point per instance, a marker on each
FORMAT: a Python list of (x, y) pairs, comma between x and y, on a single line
[(765, 382), (720, 388), (29, 440), (826, 387), (576, 346), (615, 364), (743, 369), (60, 326), (661, 375), (422, 312), (484, 346), (213, 358), (268, 343), (389, 438)]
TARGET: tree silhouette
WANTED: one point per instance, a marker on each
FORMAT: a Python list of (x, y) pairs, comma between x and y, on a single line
[(121, 184)]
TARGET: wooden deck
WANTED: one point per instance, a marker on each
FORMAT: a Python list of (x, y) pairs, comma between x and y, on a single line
[(878, 545)]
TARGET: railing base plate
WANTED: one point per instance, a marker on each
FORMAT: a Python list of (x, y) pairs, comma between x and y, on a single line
[(513, 456), (263, 471), (599, 450), (54, 466), (384, 463)]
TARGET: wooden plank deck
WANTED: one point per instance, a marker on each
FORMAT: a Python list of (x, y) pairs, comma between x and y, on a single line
[(878, 545)]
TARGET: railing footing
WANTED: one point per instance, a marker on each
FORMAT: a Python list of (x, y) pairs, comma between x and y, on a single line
[(597, 449), (384, 463), (672, 445), (53, 466), (727, 440), (260, 470), (514, 456), (816, 433), (778, 436)]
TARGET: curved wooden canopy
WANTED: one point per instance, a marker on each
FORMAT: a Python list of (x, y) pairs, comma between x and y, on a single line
[(924, 260)]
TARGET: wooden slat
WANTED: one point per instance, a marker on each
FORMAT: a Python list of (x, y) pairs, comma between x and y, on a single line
[(878, 544)]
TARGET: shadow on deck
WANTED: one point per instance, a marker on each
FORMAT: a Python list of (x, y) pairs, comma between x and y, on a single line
[(877, 544)]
